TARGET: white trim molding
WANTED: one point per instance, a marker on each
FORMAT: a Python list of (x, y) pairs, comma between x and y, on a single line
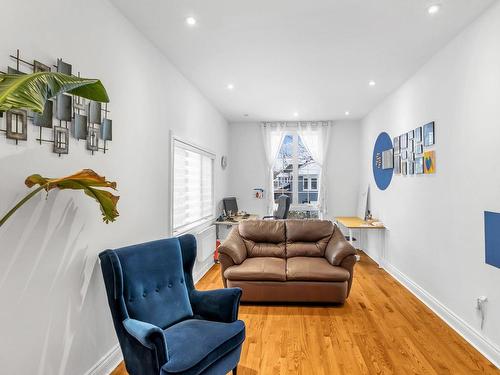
[(469, 333), (107, 363)]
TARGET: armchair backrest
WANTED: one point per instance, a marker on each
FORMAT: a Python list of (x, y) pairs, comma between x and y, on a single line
[(148, 282)]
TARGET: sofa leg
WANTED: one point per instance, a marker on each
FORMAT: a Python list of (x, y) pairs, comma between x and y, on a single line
[(235, 370)]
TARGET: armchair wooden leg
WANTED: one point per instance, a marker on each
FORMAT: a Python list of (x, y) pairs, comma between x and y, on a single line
[(235, 370)]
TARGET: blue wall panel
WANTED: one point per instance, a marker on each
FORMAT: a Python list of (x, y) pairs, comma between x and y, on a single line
[(382, 177), (492, 238)]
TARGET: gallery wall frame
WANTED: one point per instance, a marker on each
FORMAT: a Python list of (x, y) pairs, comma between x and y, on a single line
[(412, 154), (429, 135)]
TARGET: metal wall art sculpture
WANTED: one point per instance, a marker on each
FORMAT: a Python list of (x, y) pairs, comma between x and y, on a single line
[(87, 120)]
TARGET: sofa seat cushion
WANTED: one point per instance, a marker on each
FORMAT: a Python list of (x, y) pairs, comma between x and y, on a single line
[(260, 268), (187, 357), (314, 269)]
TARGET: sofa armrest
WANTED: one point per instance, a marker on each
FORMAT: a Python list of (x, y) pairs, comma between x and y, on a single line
[(338, 248), (234, 247), (148, 335), (220, 305)]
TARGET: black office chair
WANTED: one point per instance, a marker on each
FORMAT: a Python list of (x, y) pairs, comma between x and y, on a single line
[(283, 208)]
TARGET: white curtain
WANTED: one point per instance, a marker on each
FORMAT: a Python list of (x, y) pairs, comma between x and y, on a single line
[(272, 135), (316, 138)]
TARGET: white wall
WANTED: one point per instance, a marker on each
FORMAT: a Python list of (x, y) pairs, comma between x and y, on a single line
[(247, 167), (54, 317), (436, 235)]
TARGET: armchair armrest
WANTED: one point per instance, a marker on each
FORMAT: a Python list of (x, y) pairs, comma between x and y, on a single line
[(148, 335), (219, 305), (338, 248), (234, 247)]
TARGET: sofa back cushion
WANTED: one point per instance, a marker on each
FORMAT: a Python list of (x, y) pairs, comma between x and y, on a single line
[(264, 238), (307, 238)]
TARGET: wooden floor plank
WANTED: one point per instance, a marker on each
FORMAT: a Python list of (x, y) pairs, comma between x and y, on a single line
[(382, 329)]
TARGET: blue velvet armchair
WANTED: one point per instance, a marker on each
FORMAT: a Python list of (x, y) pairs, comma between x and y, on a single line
[(164, 325)]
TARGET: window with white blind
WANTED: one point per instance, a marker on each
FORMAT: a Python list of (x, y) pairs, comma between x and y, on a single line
[(193, 186)]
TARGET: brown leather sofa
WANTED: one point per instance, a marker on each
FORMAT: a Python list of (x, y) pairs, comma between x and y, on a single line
[(288, 261)]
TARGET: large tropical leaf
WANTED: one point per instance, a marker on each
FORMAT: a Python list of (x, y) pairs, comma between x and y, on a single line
[(86, 180), (31, 91)]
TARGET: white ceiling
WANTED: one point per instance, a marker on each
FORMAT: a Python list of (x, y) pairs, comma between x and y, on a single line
[(313, 57)]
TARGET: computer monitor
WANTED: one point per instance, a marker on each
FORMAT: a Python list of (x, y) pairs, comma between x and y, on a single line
[(230, 206)]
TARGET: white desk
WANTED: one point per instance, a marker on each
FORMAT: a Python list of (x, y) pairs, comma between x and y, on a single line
[(355, 223), (230, 223)]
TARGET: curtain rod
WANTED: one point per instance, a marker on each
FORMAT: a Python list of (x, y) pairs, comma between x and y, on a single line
[(295, 123)]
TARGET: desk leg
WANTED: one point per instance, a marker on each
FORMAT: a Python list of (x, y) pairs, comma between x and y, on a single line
[(382, 248), (351, 241)]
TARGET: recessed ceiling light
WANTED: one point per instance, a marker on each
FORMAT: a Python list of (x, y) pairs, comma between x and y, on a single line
[(295, 114), (191, 21), (230, 86), (433, 9), (347, 113), (372, 83)]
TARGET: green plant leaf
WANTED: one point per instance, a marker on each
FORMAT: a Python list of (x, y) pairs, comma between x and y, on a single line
[(31, 91), (86, 180)]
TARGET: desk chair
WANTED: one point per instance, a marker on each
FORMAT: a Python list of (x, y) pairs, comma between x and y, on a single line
[(283, 208), (164, 325)]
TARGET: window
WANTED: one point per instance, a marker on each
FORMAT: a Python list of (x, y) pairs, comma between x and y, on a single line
[(310, 184), (192, 186), (295, 163)]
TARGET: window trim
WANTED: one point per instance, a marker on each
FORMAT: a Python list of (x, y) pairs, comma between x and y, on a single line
[(295, 205), (206, 152)]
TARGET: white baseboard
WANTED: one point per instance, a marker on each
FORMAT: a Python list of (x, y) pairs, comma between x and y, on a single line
[(107, 363), (113, 358), (469, 333), (201, 268)]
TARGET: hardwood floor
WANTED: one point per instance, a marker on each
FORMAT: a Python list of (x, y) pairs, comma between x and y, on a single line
[(382, 329)]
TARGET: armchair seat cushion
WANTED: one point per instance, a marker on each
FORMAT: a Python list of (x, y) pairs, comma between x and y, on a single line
[(259, 268), (314, 269), (189, 354)]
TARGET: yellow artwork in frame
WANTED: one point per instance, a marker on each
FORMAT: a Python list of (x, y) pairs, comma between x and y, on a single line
[(430, 162)]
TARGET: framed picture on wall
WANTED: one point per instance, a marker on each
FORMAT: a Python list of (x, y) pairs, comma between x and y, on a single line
[(403, 141), (419, 165), (410, 167), (410, 145), (397, 164), (396, 145), (418, 134), (388, 159), (429, 137)]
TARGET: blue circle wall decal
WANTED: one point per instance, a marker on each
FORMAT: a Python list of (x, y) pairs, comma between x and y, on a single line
[(382, 177)]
